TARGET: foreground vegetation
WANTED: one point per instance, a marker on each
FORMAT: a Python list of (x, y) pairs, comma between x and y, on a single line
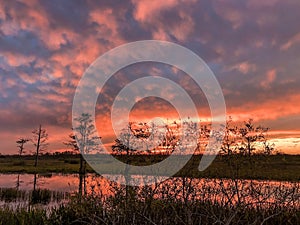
[(132, 209), (273, 167), (180, 200)]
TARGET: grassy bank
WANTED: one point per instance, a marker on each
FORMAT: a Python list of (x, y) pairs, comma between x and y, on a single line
[(275, 167)]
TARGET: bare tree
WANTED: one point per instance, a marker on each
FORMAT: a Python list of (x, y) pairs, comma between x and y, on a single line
[(203, 137), (231, 138), (251, 135), (246, 139), (39, 140), (124, 143), (119, 147), (171, 138), (268, 148), (20, 144), (143, 137)]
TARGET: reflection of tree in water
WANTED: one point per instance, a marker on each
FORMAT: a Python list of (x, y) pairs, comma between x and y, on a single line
[(21, 150), (39, 195), (83, 141), (18, 182)]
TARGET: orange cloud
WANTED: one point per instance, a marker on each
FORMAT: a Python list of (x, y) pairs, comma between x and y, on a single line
[(271, 109)]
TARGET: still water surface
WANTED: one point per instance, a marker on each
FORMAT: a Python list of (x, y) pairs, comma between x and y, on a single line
[(222, 190)]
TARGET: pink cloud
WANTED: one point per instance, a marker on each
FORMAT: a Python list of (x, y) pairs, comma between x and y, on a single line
[(145, 10), (149, 12), (243, 67), (181, 31), (15, 59), (270, 77), (292, 41), (29, 79), (229, 13), (40, 79)]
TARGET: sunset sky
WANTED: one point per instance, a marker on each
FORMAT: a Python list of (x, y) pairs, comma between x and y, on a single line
[(252, 47)]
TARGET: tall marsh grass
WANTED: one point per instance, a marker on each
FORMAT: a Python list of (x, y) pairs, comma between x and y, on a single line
[(154, 205)]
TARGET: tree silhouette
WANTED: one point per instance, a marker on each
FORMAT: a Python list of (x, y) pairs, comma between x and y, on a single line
[(39, 140), (246, 139), (231, 141), (83, 142), (141, 137), (86, 134), (72, 143), (124, 143), (251, 135), (20, 144), (170, 139)]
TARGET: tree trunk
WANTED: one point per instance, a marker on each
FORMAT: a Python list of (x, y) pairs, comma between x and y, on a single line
[(80, 185), (34, 182), (38, 147), (18, 182), (80, 175)]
